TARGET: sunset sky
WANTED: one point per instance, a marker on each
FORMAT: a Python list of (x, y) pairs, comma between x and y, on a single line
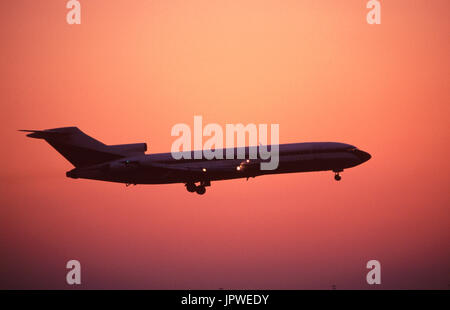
[(134, 69)]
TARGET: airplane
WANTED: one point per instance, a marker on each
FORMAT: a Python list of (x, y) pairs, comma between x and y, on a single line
[(128, 163)]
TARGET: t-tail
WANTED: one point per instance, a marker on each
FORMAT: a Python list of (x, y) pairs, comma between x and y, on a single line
[(82, 150)]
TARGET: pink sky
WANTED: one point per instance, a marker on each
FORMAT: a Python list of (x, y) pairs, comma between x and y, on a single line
[(133, 69)]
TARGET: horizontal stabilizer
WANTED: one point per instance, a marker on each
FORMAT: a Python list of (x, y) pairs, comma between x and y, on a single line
[(42, 134)]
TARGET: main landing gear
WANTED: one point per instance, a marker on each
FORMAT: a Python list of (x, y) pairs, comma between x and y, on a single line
[(337, 177), (199, 189)]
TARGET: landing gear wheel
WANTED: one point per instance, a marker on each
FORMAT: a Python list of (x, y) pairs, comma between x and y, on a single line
[(200, 190), (191, 187), (337, 177)]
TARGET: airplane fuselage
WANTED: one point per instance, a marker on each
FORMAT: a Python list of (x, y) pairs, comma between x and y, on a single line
[(162, 168)]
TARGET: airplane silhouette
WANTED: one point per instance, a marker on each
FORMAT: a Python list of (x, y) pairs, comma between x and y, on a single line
[(128, 163)]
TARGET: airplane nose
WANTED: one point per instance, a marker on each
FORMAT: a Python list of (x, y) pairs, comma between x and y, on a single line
[(363, 156)]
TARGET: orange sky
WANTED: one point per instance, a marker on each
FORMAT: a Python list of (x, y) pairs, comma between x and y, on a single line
[(133, 69)]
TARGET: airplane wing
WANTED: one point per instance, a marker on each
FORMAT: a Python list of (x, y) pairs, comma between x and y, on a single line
[(217, 166)]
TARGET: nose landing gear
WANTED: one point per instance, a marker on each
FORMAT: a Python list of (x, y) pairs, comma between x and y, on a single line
[(337, 177)]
